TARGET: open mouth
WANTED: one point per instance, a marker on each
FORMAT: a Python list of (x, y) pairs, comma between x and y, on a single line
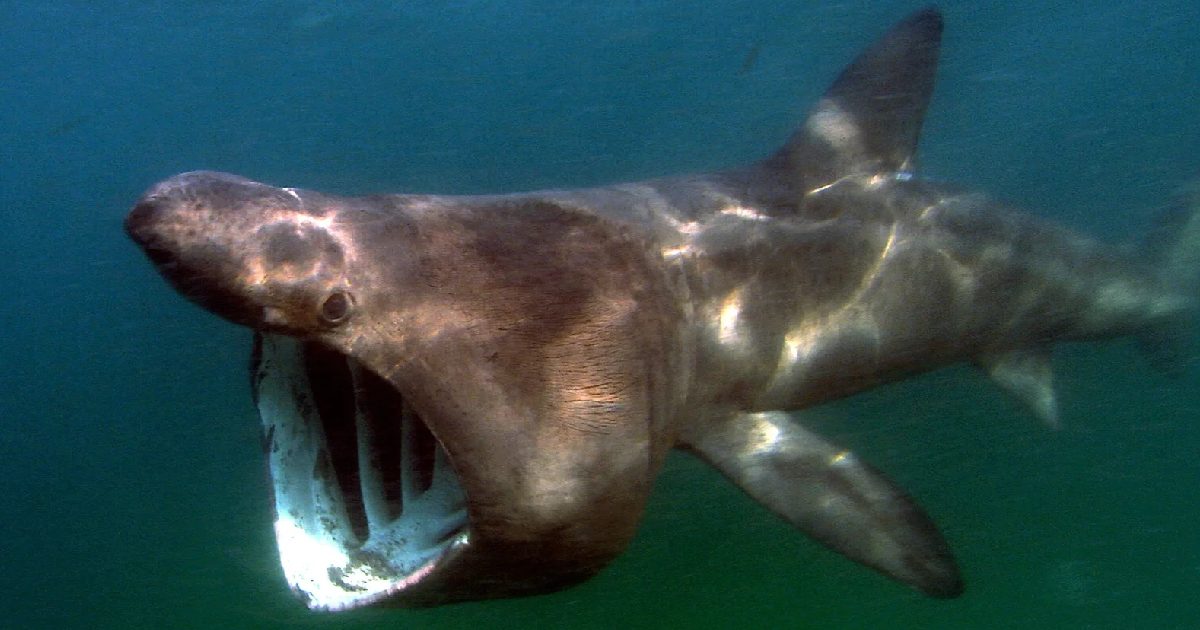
[(366, 501)]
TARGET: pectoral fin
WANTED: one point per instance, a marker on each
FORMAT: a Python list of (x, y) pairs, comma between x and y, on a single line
[(831, 495), (1027, 374)]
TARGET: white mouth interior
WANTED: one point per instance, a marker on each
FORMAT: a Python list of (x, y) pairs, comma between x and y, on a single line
[(366, 501)]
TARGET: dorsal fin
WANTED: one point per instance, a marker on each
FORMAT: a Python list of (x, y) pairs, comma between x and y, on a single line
[(869, 120)]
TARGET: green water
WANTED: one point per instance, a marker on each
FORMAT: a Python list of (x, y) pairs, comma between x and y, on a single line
[(134, 491)]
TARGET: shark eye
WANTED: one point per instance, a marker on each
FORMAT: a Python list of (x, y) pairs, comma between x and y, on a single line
[(336, 307)]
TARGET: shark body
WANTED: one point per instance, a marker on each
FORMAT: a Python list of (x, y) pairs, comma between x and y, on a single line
[(470, 397)]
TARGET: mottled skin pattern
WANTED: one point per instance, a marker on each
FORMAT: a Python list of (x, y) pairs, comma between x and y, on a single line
[(559, 343)]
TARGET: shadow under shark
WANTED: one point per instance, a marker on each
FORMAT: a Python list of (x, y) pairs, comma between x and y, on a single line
[(470, 397)]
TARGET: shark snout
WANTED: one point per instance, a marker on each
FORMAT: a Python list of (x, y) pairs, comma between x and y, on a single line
[(142, 225), (162, 205), (181, 226), (198, 209)]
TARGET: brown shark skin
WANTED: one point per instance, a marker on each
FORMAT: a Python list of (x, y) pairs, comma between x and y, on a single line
[(559, 343)]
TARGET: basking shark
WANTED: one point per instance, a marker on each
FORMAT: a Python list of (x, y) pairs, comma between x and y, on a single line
[(468, 397)]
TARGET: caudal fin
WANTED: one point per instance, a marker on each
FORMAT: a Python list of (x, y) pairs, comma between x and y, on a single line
[(1173, 247), (1174, 242)]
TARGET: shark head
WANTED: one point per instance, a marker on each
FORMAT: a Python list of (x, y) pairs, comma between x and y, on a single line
[(427, 443)]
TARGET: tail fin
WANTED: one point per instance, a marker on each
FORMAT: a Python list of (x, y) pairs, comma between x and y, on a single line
[(1174, 242), (1173, 246)]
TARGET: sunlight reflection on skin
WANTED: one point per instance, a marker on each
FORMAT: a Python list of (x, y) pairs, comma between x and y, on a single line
[(727, 321), (802, 340)]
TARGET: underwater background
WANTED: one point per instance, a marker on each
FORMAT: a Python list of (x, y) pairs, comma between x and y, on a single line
[(133, 492)]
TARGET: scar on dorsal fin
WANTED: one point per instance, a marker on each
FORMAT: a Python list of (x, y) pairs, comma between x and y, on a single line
[(829, 494), (868, 122), (1028, 375)]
